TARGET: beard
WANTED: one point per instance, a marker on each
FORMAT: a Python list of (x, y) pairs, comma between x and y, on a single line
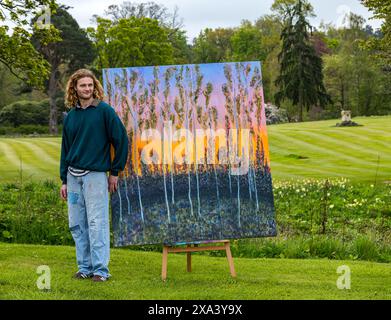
[(85, 96)]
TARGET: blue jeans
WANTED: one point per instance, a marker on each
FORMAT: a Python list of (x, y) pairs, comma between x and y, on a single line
[(88, 212)]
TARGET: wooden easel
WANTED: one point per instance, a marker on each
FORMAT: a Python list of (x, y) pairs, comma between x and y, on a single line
[(189, 249)]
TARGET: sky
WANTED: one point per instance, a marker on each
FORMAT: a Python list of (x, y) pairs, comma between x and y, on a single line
[(200, 14)]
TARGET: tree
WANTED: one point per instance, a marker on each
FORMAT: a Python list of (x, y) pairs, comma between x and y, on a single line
[(13, 89), (270, 28), (213, 45), (130, 42), (149, 10), (283, 9), (338, 79), (381, 10), (301, 75), (73, 52), (171, 22), (319, 42), (16, 51), (247, 43), (182, 52), (353, 78)]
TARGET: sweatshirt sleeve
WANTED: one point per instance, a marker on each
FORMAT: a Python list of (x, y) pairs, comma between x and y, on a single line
[(64, 153), (119, 139)]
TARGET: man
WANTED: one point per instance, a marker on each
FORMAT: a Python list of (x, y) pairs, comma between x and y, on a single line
[(90, 127)]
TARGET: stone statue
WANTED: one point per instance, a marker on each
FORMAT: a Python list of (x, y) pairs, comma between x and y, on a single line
[(346, 115), (347, 119)]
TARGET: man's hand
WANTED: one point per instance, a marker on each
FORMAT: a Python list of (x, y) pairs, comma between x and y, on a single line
[(63, 192), (113, 183)]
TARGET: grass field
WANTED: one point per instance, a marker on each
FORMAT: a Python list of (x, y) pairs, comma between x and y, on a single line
[(136, 275), (319, 150), (297, 151)]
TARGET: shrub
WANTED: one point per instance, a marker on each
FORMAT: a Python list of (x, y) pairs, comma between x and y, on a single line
[(325, 247), (365, 249), (28, 113), (275, 115), (27, 129), (25, 112)]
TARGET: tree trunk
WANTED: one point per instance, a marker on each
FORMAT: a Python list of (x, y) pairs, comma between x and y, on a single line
[(301, 113), (342, 97), (52, 92)]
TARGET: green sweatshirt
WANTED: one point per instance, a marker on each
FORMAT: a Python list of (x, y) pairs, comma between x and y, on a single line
[(86, 138)]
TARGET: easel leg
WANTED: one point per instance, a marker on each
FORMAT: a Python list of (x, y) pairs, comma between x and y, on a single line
[(164, 263), (230, 260), (188, 254)]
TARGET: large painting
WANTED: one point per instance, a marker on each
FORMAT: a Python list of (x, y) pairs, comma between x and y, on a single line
[(198, 166)]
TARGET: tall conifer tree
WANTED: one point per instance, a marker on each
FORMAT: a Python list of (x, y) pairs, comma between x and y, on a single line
[(301, 74)]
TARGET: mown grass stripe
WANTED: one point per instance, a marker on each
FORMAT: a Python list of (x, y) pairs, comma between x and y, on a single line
[(7, 157), (347, 145), (335, 171), (56, 143), (52, 151), (332, 169), (14, 160), (365, 138), (38, 151), (30, 160), (280, 153), (349, 152), (52, 148), (321, 150), (383, 133)]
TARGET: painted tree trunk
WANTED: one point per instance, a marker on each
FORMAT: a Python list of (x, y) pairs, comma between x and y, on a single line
[(165, 182)]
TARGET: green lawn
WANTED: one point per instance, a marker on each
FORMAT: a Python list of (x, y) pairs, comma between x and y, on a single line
[(357, 153), (297, 151), (136, 275)]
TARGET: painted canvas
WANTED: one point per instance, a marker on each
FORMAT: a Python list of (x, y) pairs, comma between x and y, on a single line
[(198, 166)]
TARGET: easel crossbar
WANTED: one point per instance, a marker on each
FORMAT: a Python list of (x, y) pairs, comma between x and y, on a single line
[(189, 249), (194, 249)]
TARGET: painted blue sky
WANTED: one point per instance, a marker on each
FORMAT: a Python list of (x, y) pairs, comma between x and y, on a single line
[(211, 72)]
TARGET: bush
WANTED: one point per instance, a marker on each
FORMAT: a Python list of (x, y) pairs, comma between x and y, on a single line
[(275, 115), (365, 249), (28, 113), (25, 112), (27, 129), (32, 212), (325, 247)]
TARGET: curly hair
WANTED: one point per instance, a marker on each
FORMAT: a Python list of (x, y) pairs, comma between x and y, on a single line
[(71, 97)]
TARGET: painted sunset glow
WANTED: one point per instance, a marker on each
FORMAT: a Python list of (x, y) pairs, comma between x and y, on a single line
[(198, 166)]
